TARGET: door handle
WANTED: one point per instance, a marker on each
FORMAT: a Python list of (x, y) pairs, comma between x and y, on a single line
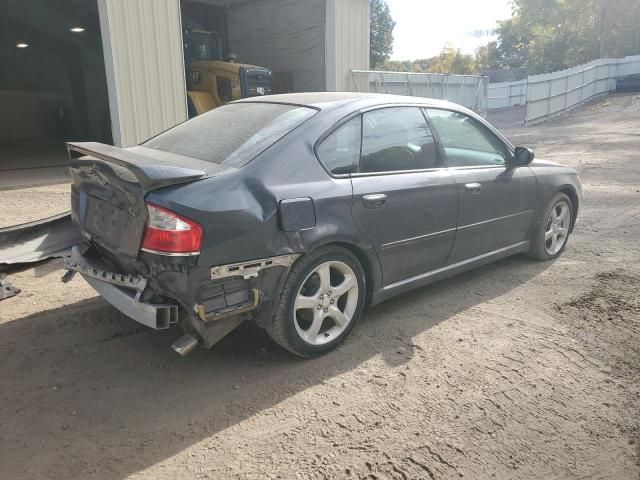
[(473, 188), (374, 200)]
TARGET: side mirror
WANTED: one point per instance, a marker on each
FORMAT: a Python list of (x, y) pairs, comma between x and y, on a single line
[(522, 156)]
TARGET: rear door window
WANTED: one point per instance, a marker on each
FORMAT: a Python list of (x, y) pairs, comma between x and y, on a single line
[(340, 151), (232, 135), (397, 139)]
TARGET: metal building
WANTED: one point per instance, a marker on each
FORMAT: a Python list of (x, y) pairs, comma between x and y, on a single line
[(313, 42), (114, 70)]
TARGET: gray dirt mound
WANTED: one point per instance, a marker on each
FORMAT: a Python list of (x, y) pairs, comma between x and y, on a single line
[(607, 320)]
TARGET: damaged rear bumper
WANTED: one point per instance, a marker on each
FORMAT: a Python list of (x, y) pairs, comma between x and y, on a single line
[(158, 317), (207, 302), (123, 292)]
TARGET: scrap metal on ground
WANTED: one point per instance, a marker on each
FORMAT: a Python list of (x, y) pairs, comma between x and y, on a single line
[(6, 288), (35, 241)]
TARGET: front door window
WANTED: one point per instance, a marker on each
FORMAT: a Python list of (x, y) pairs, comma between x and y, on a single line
[(465, 141)]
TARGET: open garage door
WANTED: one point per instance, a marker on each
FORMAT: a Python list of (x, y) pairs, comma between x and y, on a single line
[(285, 36), (52, 81)]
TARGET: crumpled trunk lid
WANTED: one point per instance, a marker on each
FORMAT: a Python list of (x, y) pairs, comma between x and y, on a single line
[(109, 188)]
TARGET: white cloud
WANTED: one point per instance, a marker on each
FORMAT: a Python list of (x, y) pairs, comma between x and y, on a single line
[(423, 27)]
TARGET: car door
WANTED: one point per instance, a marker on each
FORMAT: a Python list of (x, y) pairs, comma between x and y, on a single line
[(496, 200), (404, 200)]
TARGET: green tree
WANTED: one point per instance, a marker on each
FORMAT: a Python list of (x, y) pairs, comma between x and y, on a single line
[(449, 60), (381, 36), (487, 57), (418, 66), (513, 43), (548, 35), (452, 60)]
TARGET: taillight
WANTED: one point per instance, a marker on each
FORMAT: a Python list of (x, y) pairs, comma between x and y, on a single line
[(168, 233)]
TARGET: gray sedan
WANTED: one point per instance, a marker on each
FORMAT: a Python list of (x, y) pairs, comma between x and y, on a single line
[(294, 211)]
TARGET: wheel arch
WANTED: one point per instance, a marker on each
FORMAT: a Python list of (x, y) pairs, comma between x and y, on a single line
[(371, 268), (570, 192)]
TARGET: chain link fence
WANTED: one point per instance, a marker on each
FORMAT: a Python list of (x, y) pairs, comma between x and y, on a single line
[(467, 90)]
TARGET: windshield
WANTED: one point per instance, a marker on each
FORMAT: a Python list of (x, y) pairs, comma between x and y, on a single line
[(201, 46), (232, 135)]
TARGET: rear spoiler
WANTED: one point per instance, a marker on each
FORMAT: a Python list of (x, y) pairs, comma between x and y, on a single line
[(150, 172)]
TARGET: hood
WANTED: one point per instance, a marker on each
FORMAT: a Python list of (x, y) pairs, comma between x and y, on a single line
[(539, 162)]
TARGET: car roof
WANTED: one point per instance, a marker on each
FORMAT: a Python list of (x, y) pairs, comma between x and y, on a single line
[(332, 100), (338, 104)]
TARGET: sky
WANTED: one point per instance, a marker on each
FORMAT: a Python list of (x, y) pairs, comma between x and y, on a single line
[(423, 27)]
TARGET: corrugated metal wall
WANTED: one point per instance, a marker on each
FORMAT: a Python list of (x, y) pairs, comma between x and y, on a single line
[(553, 93), (347, 41), (467, 90), (507, 94), (142, 41)]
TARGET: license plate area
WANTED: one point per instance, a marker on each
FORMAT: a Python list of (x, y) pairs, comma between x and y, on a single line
[(106, 221)]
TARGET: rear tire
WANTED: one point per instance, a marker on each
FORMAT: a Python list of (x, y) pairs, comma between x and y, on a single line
[(553, 229), (321, 301)]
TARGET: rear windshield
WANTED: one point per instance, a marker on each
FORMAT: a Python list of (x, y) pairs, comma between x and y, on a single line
[(232, 135)]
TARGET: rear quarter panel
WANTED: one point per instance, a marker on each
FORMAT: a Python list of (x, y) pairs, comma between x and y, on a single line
[(240, 214)]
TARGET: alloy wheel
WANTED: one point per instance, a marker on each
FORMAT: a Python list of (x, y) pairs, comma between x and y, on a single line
[(326, 302), (557, 228)]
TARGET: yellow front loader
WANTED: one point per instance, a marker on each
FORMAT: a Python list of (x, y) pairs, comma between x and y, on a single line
[(212, 82)]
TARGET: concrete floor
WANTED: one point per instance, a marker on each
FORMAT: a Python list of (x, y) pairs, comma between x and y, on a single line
[(32, 163), (23, 154)]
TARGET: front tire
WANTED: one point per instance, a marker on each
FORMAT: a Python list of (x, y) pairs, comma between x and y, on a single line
[(553, 229), (321, 301)]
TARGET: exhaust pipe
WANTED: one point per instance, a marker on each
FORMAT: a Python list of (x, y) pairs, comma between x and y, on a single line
[(184, 345)]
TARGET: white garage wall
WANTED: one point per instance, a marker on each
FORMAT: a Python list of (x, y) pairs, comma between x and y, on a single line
[(142, 42), (286, 36), (347, 47)]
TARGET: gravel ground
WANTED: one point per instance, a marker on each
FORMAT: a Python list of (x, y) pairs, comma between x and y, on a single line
[(516, 370)]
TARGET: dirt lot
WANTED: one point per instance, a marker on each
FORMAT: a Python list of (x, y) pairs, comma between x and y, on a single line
[(23, 205), (517, 370)]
